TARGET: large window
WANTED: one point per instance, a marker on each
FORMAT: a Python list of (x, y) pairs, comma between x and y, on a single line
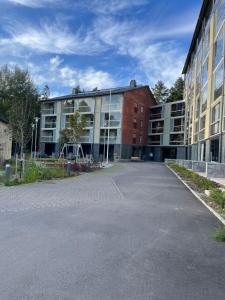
[(86, 105), (156, 113), (206, 40), (114, 136), (204, 96), (177, 109), (197, 108), (205, 72), (115, 119), (115, 103), (220, 14), (156, 140), (218, 52), (202, 128), (215, 119), (196, 128), (157, 127), (218, 82), (177, 139), (177, 125), (68, 106), (47, 108), (50, 122)]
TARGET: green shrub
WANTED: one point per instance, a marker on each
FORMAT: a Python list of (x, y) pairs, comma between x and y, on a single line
[(201, 182), (31, 174), (218, 196), (219, 235), (50, 173)]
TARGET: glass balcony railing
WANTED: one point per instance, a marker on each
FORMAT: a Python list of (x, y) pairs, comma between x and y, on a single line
[(156, 116), (177, 113), (85, 139), (178, 128), (112, 123), (68, 110), (48, 111), (157, 130), (112, 140), (47, 139), (50, 125)]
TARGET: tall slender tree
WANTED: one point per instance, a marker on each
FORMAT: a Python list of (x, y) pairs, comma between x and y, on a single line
[(161, 92)]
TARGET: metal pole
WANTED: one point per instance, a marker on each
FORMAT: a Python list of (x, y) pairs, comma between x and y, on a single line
[(107, 154), (32, 141), (35, 146)]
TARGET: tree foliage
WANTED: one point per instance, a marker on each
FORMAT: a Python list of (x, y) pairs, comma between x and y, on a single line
[(18, 103), (161, 92), (77, 124), (177, 90)]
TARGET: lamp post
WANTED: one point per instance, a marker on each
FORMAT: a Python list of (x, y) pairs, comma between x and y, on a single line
[(32, 140), (35, 145), (107, 153)]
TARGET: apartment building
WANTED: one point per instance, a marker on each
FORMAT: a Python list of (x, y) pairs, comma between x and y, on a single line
[(5, 141), (166, 131), (124, 111), (204, 85)]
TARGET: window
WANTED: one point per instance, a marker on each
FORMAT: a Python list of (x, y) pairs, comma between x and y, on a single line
[(156, 113), (135, 125), (202, 128), (141, 139), (115, 119), (206, 40), (156, 139), (157, 127), (142, 109), (86, 105), (220, 14), (115, 103), (50, 122), (205, 72), (198, 83), (135, 108), (204, 97), (178, 125), (134, 138), (68, 106), (114, 136), (177, 139), (177, 109), (215, 119), (197, 109), (218, 82), (218, 49), (196, 128), (47, 108)]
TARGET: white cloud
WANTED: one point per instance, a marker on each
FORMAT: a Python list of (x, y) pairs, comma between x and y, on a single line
[(66, 77), (111, 6), (55, 61), (54, 38), (33, 3)]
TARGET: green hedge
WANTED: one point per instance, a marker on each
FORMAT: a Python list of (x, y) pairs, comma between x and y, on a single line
[(201, 182)]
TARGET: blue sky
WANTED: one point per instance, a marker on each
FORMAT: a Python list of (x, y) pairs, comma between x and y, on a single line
[(97, 43)]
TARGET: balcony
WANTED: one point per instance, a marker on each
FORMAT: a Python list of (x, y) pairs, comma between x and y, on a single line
[(177, 113), (48, 111), (46, 139), (112, 140), (50, 125), (156, 116), (85, 139), (157, 130), (178, 128)]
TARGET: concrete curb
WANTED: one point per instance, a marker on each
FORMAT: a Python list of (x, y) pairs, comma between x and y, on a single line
[(197, 196)]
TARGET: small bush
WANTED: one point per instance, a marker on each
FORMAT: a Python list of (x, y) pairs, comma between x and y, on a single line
[(31, 174), (218, 196), (219, 235), (50, 173)]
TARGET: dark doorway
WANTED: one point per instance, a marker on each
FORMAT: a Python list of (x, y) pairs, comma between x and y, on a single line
[(103, 152), (215, 150), (49, 149), (170, 153)]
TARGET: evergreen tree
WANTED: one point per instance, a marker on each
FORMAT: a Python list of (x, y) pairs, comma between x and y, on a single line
[(18, 103), (177, 90), (161, 92)]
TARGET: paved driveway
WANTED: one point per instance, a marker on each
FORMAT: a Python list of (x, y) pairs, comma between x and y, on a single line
[(133, 232)]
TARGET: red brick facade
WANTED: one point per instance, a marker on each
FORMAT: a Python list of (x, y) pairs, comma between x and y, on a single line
[(135, 117)]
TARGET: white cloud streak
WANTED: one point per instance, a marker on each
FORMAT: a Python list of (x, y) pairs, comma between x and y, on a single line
[(33, 3)]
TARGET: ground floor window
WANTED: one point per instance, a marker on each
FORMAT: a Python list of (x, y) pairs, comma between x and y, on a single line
[(214, 150)]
